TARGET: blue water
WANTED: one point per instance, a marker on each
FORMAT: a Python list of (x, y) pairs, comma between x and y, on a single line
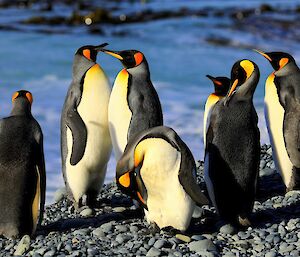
[(178, 55)]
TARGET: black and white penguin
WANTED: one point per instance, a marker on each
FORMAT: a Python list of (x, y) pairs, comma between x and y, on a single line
[(221, 85), (158, 170), (134, 104), (233, 147), (85, 140), (282, 113), (22, 169)]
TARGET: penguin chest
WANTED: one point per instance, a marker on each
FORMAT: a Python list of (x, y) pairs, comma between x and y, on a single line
[(168, 203), (119, 113), (274, 114), (93, 109)]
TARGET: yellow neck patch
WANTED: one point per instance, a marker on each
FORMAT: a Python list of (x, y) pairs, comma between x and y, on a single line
[(138, 154), (248, 67)]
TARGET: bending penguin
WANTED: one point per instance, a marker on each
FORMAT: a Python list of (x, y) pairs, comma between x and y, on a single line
[(85, 140), (282, 113), (134, 104), (233, 149), (221, 85), (22, 170), (158, 170)]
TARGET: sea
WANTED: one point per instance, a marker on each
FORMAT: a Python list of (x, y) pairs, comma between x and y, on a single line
[(177, 50)]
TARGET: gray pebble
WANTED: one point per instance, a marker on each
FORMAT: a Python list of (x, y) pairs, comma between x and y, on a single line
[(87, 212), (59, 194), (202, 245), (98, 232), (23, 245), (227, 229), (118, 209), (121, 228), (153, 252), (271, 254), (49, 253), (106, 227), (151, 241), (159, 243)]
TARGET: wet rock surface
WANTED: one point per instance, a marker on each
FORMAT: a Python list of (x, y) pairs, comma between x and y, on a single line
[(117, 228)]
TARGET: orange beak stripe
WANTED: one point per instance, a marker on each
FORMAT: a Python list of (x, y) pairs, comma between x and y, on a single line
[(29, 97), (138, 57), (124, 180), (217, 82), (283, 62), (114, 55), (87, 53), (263, 54), (15, 95), (233, 87), (140, 197)]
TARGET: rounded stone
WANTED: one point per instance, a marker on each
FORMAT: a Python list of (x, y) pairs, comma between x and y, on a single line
[(227, 229), (202, 245), (153, 252), (271, 254), (23, 245), (87, 212), (159, 243), (59, 194), (183, 238)]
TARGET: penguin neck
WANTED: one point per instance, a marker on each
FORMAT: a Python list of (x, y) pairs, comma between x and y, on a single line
[(247, 89), (80, 66), (21, 108), (141, 70), (288, 69)]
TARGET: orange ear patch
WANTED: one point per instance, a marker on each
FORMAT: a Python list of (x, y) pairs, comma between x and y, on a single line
[(87, 53), (124, 180), (138, 57), (29, 97), (283, 62), (15, 95)]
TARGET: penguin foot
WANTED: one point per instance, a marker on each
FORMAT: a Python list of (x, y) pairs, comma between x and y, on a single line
[(244, 221), (154, 228), (171, 231), (91, 199), (295, 180)]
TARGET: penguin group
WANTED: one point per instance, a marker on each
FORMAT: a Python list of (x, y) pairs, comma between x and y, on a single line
[(154, 166)]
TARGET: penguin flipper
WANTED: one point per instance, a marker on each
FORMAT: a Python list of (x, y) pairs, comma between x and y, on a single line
[(79, 132), (42, 176)]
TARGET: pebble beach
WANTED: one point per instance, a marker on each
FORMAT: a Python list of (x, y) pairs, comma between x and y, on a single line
[(117, 228)]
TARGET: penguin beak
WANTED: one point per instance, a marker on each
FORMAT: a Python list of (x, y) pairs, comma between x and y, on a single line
[(113, 53), (100, 47), (263, 54), (231, 92), (214, 80)]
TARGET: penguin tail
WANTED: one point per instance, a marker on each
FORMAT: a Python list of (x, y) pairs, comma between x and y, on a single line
[(244, 221)]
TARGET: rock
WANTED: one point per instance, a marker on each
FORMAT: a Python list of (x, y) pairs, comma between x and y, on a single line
[(23, 245), (266, 172), (202, 245), (227, 229), (153, 252), (87, 212), (183, 238), (198, 212), (106, 227), (151, 241), (60, 194), (159, 243), (98, 232), (50, 253), (119, 209)]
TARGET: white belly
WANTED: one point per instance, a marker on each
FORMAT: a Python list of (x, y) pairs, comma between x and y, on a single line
[(168, 203), (274, 114), (119, 114), (89, 172)]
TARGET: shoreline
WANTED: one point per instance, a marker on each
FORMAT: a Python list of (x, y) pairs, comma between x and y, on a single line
[(117, 228)]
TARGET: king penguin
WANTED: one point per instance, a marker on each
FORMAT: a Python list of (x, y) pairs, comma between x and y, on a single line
[(282, 113), (22, 170), (158, 170), (232, 154), (221, 85), (85, 140), (134, 104)]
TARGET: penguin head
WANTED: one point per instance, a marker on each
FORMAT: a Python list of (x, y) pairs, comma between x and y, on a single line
[(221, 84), (278, 60), (22, 101), (244, 79), (127, 168), (90, 52), (129, 58)]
